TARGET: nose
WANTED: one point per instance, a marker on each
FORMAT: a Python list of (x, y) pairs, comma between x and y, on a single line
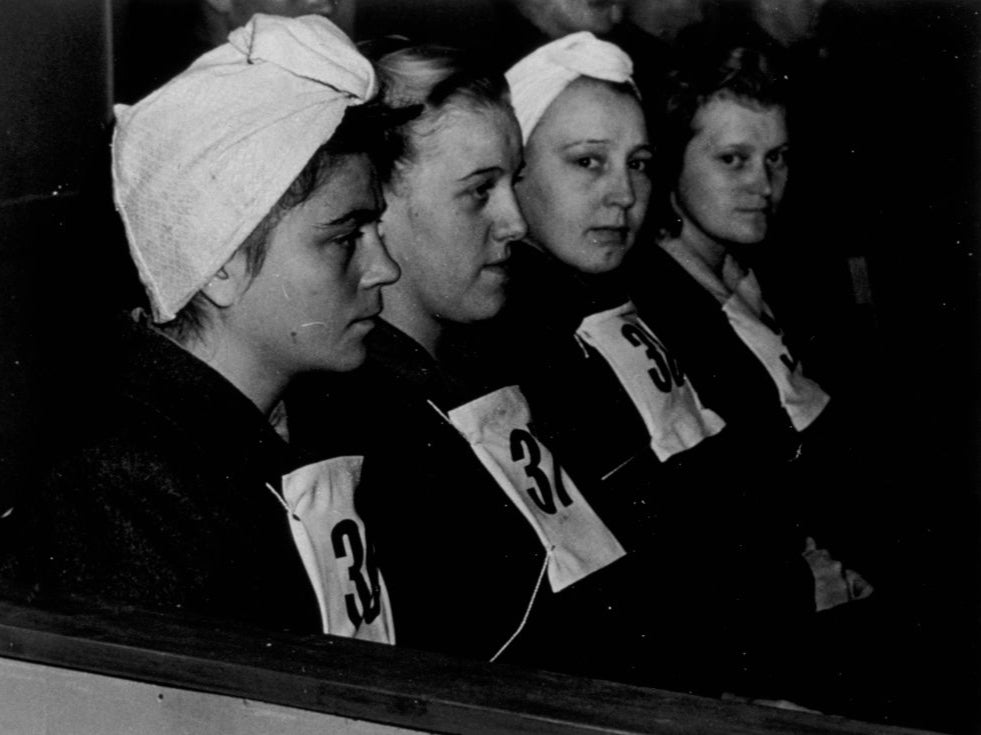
[(509, 224), (761, 180), (377, 266), (620, 190)]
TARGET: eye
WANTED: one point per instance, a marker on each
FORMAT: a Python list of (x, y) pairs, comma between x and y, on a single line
[(482, 191), (346, 244), (777, 159), (588, 162), (639, 164), (732, 160)]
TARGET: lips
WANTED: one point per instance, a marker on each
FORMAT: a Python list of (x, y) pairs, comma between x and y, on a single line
[(369, 314), (763, 212), (606, 236), (499, 268)]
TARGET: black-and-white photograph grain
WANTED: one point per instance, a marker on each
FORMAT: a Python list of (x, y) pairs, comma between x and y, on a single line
[(490, 366)]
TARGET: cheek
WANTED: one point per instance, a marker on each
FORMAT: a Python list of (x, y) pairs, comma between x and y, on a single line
[(779, 187), (536, 203), (703, 191), (642, 190), (318, 295)]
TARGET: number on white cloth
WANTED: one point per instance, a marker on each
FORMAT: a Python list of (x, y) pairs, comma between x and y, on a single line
[(497, 426), (666, 401)]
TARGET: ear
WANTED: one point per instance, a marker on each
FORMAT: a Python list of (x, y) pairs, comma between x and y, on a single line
[(231, 281)]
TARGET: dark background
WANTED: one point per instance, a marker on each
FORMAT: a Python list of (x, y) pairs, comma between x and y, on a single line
[(885, 206)]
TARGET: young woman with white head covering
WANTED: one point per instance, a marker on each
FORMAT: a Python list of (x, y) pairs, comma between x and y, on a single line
[(610, 397), (584, 193), (250, 205)]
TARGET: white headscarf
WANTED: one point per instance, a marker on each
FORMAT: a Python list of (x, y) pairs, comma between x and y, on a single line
[(541, 76), (199, 162)]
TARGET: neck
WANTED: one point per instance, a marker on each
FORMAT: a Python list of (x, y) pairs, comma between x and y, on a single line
[(697, 267), (699, 245), (402, 312), (241, 367)]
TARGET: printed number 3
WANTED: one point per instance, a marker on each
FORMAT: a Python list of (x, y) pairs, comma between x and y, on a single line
[(524, 446), (665, 367), (368, 590)]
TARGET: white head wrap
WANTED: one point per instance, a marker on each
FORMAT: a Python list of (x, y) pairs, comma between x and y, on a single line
[(541, 76), (198, 163)]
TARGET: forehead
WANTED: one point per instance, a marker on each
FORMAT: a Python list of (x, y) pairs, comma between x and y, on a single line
[(350, 185), (465, 137), (591, 109), (724, 121)]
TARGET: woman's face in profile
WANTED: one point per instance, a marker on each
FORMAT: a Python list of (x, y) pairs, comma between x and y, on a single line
[(451, 214), (734, 172), (586, 188)]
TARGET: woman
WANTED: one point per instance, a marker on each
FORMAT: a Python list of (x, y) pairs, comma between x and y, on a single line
[(726, 168), (726, 172), (616, 406), (479, 533)]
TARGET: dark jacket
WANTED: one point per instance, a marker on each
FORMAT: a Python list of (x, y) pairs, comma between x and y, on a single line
[(714, 531), (163, 502), (820, 470), (461, 562)]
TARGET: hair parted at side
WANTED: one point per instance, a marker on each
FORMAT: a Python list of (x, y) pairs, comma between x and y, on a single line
[(741, 73), (364, 130), (431, 79)]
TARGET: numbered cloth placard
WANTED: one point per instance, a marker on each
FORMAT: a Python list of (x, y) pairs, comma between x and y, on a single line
[(666, 401), (754, 323), (336, 551), (578, 542)]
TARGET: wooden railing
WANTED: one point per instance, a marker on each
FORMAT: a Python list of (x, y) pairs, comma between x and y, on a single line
[(374, 683)]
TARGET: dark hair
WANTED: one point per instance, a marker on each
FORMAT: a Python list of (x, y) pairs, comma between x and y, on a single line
[(741, 73), (363, 130), (430, 79)]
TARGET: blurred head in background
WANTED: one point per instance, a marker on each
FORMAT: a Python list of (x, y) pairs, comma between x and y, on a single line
[(557, 18)]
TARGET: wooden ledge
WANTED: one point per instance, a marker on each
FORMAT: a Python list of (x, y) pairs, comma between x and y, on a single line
[(377, 683)]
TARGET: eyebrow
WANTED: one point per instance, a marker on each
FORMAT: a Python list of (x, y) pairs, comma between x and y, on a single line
[(482, 172), (586, 141), (356, 217), (645, 147)]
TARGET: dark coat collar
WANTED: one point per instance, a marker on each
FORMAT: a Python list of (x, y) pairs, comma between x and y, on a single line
[(180, 389)]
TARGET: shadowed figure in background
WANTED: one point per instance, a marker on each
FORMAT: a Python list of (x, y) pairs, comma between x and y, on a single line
[(156, 39)]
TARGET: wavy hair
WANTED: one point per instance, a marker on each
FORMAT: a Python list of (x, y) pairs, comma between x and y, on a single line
[(741, 73)]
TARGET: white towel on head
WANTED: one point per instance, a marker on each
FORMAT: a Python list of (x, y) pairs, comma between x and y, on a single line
[(199, 162), (541, 76)]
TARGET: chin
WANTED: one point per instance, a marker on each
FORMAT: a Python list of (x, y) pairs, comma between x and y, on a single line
[(746, 239), (599, 263), (484, 309), (351, 357)]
